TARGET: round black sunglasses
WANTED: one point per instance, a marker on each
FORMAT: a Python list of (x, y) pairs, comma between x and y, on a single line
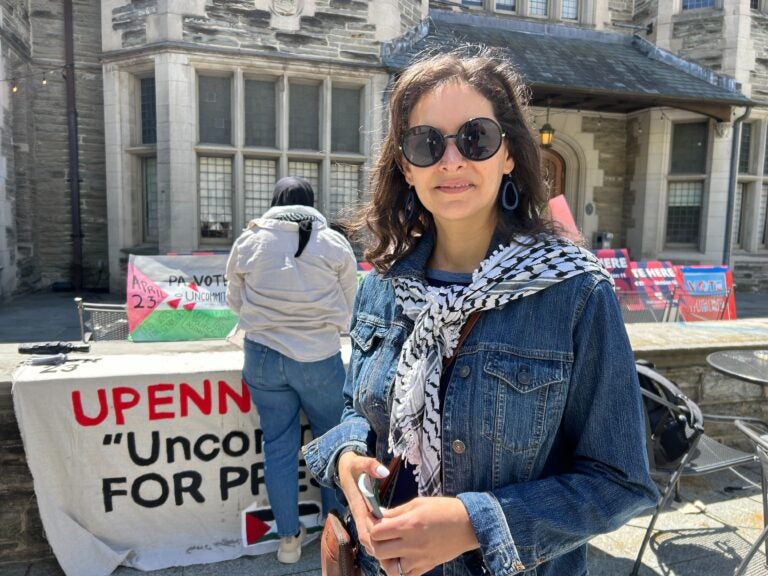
[(477, 139)]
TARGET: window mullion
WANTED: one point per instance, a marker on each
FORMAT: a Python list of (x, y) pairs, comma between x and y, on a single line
[(282, 132), (238, 203), (325, 122)]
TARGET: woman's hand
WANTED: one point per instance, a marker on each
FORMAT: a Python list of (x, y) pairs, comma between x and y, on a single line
[(422, 534), (350, 466)]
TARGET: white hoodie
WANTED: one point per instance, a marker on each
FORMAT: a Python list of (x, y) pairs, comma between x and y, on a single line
[(296, 306)]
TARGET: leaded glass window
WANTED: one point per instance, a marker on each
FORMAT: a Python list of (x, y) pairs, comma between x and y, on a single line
[(537, 7), (260, 177), (215, 176), (149, 197), (738, 210), (745, 148), (684, 212), (215, 109), (260, 113), (689, 148), (345, 120), (694, 4), (345, 188), (304, 117), (570, 10), (148, 112)]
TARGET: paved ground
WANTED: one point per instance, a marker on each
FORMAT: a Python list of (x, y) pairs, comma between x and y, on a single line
[(706, 534)]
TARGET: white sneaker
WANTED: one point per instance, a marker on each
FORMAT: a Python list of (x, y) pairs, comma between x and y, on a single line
[(289, 551)]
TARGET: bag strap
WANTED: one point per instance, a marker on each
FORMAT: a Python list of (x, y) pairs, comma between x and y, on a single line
[(394, 465), (465, 330)]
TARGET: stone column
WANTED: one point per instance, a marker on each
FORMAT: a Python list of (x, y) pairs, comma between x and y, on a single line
[(121, 175), (176, 160)]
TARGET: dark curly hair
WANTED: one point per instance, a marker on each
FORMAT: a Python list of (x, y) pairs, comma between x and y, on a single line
[(488, 71)]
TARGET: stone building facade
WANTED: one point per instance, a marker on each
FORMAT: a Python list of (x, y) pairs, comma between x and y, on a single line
[(15, 53), (37, 214), (212, 102), (190, 110)]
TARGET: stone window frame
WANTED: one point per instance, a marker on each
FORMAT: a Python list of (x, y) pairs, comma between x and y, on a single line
[(239, 153), (140, 153), (752, 214)]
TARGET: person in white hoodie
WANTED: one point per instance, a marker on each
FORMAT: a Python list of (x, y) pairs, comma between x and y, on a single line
[(292, 281)]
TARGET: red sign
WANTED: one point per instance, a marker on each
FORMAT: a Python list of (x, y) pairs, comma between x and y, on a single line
[(706, 293)]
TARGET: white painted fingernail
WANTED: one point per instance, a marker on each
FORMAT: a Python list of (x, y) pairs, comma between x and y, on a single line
[(382, 471)]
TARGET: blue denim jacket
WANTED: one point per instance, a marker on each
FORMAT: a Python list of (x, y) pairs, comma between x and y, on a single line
[(543, 430)]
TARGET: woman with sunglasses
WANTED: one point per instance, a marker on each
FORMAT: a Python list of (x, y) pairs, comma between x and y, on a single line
[(532, 440)]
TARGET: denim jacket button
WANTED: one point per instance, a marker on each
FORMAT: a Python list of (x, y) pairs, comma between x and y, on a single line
[(464, 371), (524, 376), (458, 446)]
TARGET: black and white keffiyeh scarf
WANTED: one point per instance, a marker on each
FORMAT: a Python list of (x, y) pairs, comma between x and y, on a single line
[(511, 272)]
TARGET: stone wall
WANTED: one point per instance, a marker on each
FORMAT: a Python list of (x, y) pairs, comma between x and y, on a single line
[(750, 273), (759, 74), (21, 530), (44, 210), (410, 14), (698, 36), (14, 59), (645, 9), (610, 137), (341, 30), (620, 10), (630, 197)]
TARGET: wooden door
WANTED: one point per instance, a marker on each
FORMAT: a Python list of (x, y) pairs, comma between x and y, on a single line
[(553, 172)]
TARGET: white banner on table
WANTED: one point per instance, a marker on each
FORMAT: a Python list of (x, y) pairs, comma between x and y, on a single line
[(147, 461)]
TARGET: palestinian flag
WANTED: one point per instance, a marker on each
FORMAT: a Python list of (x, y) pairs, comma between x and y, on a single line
[(259, 524)]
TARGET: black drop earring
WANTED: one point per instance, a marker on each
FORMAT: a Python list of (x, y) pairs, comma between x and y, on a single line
[(410, 204), (509, 187)]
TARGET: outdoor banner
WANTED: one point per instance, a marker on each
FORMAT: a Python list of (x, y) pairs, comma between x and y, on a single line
[(178, 297), (655, 281), (706, 293), (616, 261), (149, 461)]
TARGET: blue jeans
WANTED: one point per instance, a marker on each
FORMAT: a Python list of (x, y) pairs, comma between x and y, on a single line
[(279, 387)]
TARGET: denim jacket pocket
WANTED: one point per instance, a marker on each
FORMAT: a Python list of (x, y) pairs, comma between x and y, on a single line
[(523, 400), (367, 332), (375, 352)]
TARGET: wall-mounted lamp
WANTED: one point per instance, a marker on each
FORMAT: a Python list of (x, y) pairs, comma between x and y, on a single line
[(546, 132)]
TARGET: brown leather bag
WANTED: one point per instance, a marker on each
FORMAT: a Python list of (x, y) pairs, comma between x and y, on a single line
[(337, 549)]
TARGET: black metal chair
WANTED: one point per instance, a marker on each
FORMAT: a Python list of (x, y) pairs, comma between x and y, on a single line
[(758, 435), (682, 450), (99, 321), (638, 306)]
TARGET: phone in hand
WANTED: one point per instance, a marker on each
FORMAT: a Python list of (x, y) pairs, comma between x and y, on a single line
[(369, 488)]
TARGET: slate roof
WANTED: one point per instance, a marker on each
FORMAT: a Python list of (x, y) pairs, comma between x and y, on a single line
[(580, 68)]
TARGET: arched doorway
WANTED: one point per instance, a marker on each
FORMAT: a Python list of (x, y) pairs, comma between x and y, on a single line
[(553, 172)]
